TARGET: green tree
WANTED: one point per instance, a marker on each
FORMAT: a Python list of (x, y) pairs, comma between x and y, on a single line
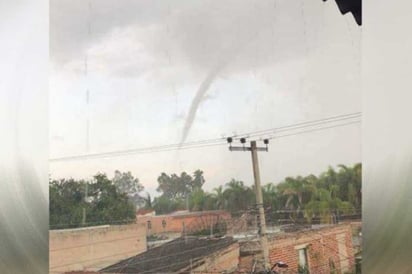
[(108, 205), (357, 186), (270, 197), (297, 190), (164, 205), (174, 186), (176, 190), (197, 181), (326, 206), (219, 197), (66, 202), (148, 201), (238, 196), (326, 196), (199, 200), (349, 180), (126, 183), (104, 204)]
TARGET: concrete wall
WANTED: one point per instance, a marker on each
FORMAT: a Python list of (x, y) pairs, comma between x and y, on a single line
[(224, 260), (94, 248)]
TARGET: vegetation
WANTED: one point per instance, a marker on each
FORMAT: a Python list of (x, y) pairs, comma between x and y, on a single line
[(107, 201), (176, 191), (322, 198)]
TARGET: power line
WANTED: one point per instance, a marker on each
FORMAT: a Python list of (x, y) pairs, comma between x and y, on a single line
[(313, 130), (212, 142), (195, 144), (137, 151), (303, 125)]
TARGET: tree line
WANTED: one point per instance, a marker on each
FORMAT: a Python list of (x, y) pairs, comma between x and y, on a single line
[(102, 200), (111, 200)]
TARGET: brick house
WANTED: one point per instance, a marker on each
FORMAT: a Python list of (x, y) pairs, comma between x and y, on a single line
[(183, 255), (178, 221), (322, 251)]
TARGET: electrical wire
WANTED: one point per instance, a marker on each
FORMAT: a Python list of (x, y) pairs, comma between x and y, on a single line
[(313, 130), (302, 125), (213, 142)]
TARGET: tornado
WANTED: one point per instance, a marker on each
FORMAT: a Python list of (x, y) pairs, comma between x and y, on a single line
[(205, 85), (200, 94), (229, 54)]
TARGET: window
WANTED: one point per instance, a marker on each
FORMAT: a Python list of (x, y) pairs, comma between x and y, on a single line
[(303, 261)]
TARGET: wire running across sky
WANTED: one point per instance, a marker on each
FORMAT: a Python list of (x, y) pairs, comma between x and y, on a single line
[(271, 133)]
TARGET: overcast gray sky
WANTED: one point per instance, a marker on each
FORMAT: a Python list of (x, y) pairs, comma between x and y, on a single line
[(268, 63)]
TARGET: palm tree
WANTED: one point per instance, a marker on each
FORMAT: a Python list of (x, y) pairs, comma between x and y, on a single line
[(238, 196), (328, 178), (270, 196), (198, 180), (344, 180), (357, 184), (349, 180), (219, 197), (324, 205), (294, 189), (198, 200)]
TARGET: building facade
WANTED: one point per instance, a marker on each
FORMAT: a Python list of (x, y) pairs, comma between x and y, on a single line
[(322, 251), (180, 222)]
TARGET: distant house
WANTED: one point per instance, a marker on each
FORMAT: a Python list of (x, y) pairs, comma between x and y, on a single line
[(183, 221), (183, 255), (145, 212), (322, 251)]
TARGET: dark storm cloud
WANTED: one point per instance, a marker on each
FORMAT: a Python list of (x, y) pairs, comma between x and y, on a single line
[(196, 32), (69, 21), (211, 37)]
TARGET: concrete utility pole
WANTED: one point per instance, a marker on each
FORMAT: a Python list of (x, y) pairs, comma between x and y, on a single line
[(259, 203), (259, 197)]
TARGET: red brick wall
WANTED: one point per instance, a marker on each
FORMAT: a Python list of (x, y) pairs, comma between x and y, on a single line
[(321, 245)]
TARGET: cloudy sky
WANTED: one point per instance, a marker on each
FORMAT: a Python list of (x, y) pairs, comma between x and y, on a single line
[(162, 72)]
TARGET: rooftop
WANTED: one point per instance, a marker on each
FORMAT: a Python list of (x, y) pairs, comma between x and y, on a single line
[(143, 211), (172, 256), (185, 213)]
